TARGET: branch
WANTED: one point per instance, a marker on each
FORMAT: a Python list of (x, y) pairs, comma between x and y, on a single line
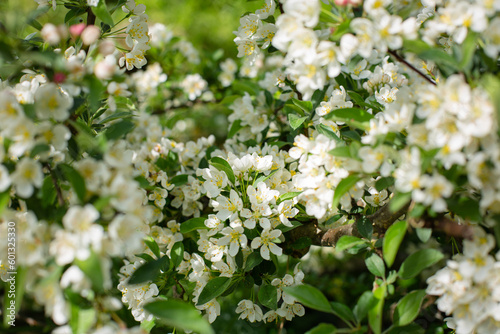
[(413, 68), (60, 197)]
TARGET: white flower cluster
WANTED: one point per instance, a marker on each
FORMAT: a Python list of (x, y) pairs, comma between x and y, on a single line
[(137, 36), (254, 33), (468, 287)]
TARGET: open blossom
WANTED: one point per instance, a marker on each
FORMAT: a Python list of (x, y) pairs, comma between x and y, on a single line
[(28, 174), (234, 237), (228, 207), (51, 102), (249, 311), (264, 242)]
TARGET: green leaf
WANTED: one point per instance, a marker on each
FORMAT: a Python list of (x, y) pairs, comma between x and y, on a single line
[(263, 178), (469, 47), (309, 296), (465, 207), (223, 166), (292, 109), (296, 121), (213, 289), (384, 183), (268, 296), (392, 239), (235, 127), (441, 58), (341, 151), (355, 117), (253, 260), (151, 243), (418, 261), (365, 227), (101, 11), (318, 97), (365, 302), (179, 180), (327, 131), (491, 84), (399, 200), (119, 129), (91, 267), (375, 265), (323, 328), (47, 193), (117, 115), (306, 106), (179, 314), (38, 149), (193, 224), (177, 254), (75, 179), (376, 311), (415, 46), (408, 308), (424, 234), (348, 241), (149, 271), (343, 312), (287, 196), (302, 242), (343, 187)]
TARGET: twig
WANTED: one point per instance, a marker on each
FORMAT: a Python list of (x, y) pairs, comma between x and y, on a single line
[(60, 197), (413, 68)]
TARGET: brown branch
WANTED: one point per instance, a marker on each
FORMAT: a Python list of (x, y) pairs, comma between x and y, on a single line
[(413, 68), (60, 197), (446, 225)]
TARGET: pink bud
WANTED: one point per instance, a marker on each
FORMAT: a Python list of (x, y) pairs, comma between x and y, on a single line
[(59, 77), (90, 34), (76, 29)]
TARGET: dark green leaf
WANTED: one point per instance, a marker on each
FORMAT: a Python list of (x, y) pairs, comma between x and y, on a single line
[(153, 246), (418, 261), (268, 296), (365, 227), (343, 312), (392, 239), (117, 115), (365, 302), (466, 208), (327, 131), (375, 313), (253, 260), (384, 183), (193, 224), (179, 314), (177, 253), (408, 307), (348, 241), (75, 179), (309, 296), (343, 187), (38, 149), (375, 265), (302, 242), (223, 166), (119, 129), (323, 329), (235, 127), (213, 289), (149, 271), (179, 180)]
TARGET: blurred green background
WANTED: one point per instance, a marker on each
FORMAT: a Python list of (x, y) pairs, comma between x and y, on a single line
[(208, 24)]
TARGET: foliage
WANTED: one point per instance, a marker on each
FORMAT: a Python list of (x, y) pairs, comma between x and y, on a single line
[(315, 185)]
